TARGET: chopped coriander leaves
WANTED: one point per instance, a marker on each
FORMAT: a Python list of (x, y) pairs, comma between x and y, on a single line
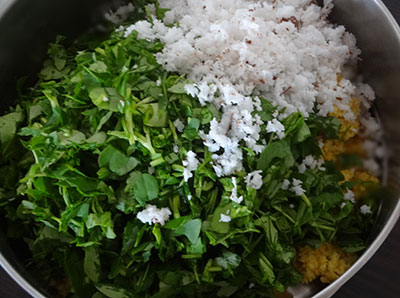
[(105, 159)]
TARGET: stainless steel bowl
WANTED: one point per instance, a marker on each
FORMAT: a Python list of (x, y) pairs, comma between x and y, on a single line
[(27, 26)]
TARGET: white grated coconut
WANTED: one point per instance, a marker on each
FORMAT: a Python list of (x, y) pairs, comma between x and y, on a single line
[(349, 196), (276, 127), (153, 215), (310, 162), (296, 187), (179, 125), (237, 51), (190, 165), (234, 196), (285, 184), (225, 218), (254, 180), (365, 209), (283, 50)]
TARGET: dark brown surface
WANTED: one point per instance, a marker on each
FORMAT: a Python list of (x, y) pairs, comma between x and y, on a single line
[(379, 278)]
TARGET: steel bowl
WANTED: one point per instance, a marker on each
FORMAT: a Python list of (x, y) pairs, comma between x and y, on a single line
[(27, 26)]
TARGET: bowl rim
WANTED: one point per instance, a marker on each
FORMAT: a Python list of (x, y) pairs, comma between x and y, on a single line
[(328, 291), (331, 289), (19, 279), (4, 6)]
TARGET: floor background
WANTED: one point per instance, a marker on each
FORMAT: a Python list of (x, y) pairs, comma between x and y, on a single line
[(379, 278)]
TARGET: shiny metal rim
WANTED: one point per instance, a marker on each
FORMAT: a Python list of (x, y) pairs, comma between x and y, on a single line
[(4, 5), (334, 287), (12, 272), (19, 279), (325, 293)]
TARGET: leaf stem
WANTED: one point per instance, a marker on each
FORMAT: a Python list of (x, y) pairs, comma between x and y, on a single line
[(284, 214), (306, 200), (175, 203)]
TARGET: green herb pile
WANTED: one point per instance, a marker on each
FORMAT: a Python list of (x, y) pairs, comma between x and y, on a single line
[(94, 142)]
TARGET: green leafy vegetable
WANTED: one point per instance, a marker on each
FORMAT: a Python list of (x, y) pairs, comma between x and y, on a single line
[(92, 264), (145, 188), (97, 140), (191, 229)]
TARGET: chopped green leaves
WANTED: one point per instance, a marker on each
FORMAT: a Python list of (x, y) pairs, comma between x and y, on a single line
[(145, 189), (191, 229), (117, 161), (112, 291), (8, 128), (91, 263), (277, 151), (103, 221), (105, 133), (106, 98), (191, 130), (328, 126)]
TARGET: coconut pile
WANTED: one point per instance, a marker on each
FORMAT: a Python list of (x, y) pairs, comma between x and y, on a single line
[(285, 51)]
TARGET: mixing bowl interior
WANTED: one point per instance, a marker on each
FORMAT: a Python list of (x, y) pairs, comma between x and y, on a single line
[(26, 27)]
